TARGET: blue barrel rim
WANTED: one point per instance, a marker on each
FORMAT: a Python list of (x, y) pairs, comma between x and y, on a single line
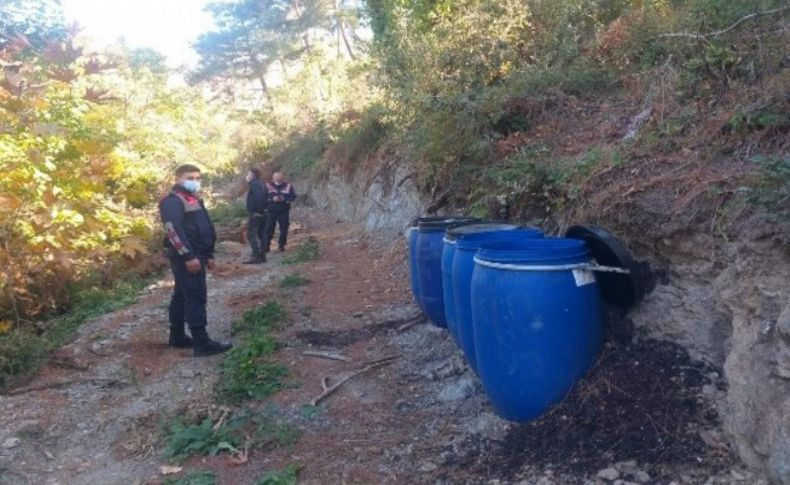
[(474, 241), (460, 230), (443, 223), (530, 252)]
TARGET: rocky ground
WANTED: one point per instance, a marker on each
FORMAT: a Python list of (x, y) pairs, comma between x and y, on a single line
[(96, 412)]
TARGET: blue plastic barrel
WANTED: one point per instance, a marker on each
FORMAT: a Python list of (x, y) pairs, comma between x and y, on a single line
[(448, 251), (411, 237), (463, 265), (537, 323), (429, 244)]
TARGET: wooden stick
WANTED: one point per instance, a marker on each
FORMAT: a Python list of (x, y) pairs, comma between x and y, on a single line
[(59, 384), (695, 35), (411, 322), (329, 390), (326, 355)]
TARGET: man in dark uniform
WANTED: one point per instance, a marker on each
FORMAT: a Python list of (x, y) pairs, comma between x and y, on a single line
[(257, 199), (281, 194), (189, 240)]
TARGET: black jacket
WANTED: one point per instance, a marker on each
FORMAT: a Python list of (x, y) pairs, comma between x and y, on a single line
[(189, 232), (284, 190), (257, 198)]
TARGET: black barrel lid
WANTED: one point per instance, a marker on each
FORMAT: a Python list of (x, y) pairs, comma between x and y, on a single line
[(418, 220), (444, 222), (623, 290), (460, 230)]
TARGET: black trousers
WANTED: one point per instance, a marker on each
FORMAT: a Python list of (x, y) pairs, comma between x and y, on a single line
[(273, 219), (188, 303), (256, 233)]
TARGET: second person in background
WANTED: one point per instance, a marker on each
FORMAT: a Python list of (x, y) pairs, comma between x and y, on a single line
[(257, 200), (281, 195)]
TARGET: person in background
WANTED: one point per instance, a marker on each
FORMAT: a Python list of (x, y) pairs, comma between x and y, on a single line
[(189, 242), (257, 199), (281, 195)]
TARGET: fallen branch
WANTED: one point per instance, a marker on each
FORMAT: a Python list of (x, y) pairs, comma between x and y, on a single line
[(329, 390), (698, 36), (411, 322), (60, 384), (327, 355)]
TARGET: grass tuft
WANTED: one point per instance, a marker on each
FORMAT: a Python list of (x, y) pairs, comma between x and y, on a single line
[(294, 280), (306, 251), (185, 440)]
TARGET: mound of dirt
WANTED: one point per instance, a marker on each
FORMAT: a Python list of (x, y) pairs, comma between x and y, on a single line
[(642, 401)]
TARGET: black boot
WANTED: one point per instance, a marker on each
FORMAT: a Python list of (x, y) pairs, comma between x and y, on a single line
[(255, 259), (204, 346), (178, 338)]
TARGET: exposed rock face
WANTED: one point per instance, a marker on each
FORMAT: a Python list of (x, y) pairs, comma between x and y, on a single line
[(384, 201), (732, 308)]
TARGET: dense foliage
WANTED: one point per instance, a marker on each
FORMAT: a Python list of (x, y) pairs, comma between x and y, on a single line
[(87, 141)]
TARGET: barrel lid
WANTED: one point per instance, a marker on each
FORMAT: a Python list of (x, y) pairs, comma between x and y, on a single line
[(460, 230), (623, 290), (444, 222), (418, 220)]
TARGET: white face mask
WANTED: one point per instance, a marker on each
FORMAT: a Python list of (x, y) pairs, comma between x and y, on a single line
[(191, 185), (249, 177)]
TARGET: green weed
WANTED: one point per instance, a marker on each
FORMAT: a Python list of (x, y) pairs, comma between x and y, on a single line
[(198, 477), (306, 251), (294, 280), (243, 429), (262, 317), (287, 476), (185, 440), (246, 371)]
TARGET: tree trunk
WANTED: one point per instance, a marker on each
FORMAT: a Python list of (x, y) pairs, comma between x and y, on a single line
[(284, 68), (339, 41), (342, 27), (265, 88)]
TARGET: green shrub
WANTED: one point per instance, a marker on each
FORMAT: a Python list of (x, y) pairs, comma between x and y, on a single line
[(293, 280), (228, 212), (308, 250)]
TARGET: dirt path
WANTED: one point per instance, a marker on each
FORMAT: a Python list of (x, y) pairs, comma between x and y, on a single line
[(94, 414)]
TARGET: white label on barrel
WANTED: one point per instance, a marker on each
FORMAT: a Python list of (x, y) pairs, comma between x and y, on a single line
[(583, 277)]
